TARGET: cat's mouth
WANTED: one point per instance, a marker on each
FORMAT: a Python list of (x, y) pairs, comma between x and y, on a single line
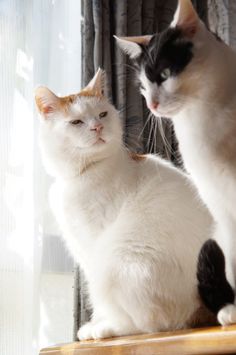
[(156, 112), (166, 111), (100, 141)]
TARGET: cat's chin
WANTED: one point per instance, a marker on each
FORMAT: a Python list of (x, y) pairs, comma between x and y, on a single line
[(166, 112), (100, 141), (98, 146)]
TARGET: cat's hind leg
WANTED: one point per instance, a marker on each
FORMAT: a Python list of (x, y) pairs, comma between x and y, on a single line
[(227, 315)]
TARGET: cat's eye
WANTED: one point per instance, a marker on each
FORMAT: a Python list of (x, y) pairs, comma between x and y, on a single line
[(165, 74), (76, 122), (103, 114)]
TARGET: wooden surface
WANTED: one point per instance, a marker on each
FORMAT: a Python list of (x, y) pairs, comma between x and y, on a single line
[(217, 340)]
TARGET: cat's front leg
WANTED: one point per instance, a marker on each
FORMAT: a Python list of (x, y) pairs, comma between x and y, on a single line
[(105, 324), (104, 329), (96, 330)]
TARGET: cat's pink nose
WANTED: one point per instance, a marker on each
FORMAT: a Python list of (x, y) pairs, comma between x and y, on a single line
[(153, 105), (97, 127)]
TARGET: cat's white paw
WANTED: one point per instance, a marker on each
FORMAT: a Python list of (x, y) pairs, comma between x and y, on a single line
[(227, 315), (99, 330)]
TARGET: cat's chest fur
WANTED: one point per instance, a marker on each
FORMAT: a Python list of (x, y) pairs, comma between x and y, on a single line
[(209, 153), (88, 207), (84, 211)]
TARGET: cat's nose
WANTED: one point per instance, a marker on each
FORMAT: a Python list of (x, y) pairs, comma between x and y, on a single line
[(153, 105), (97, 127)]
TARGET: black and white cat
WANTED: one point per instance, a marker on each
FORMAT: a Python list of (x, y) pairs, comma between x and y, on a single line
[(188, 74)]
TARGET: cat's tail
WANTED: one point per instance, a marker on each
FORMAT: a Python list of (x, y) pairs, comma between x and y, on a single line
[(213, 286)]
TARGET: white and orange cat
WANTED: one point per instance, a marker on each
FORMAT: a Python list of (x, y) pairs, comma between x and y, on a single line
[(133, 223), (188, 74)]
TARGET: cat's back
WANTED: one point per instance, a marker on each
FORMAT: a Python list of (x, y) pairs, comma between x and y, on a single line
[(151, 169), (163, 186)]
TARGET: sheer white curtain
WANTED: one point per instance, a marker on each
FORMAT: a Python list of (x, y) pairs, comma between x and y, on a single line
[(39, 44)]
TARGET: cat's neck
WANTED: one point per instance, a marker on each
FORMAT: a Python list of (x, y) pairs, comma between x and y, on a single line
[(205, 125), (97, 169), (206, 133), (213, 109)]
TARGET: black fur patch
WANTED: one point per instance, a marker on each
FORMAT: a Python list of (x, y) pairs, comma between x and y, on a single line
[(168, 49), (213, 287)]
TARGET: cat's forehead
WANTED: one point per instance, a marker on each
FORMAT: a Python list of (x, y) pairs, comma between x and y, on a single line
[(165, 39), (86, 105), (168, 49)]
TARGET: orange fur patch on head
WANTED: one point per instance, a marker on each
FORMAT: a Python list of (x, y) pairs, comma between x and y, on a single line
[(49, 103), (66, 101), (90, 93), (137, 157), (42, 108)]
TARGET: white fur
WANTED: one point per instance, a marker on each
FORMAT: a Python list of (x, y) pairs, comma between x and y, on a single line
[(131, 45), (135, 227), (203, 119), (227, 315), (162, 94)]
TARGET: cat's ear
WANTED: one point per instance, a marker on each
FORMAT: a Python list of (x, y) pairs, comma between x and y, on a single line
[(133, 45), (96, 86), (47, 102), (186, 18)]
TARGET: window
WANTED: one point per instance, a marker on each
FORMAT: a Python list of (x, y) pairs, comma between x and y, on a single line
[(39, 44)]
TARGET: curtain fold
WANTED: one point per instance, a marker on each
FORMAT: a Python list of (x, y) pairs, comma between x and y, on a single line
[(221, 16)]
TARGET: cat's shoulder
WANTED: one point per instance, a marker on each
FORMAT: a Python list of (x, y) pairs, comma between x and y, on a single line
[(151, 160), (154, 165), (137, 157)]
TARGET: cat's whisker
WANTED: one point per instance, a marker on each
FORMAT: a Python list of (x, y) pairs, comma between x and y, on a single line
[(145, 125), (150, 140), (168, 148), (155, 136), (126, 108), (133, 67)]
